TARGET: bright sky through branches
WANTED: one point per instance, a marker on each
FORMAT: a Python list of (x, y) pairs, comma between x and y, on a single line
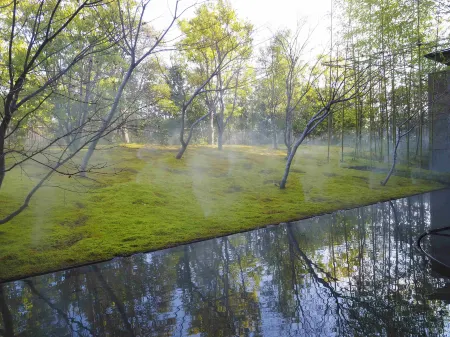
[(266, 15)]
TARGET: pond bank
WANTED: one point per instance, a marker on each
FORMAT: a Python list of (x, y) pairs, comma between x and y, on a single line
[(149, 201), (352, 272)]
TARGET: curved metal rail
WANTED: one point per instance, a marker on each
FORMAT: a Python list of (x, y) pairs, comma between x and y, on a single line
[(436, 231)]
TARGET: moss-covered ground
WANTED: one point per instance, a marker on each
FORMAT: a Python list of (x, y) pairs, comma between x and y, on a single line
[(145, 200)]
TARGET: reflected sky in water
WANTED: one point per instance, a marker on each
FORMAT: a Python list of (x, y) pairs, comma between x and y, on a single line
[(351, 273)]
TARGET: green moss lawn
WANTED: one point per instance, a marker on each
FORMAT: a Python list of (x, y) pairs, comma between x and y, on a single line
[(145, 200)]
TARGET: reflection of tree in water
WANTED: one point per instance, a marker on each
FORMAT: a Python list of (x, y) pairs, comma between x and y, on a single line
[(353, 273), (221, 288), (384, 292), (7, 320), (118, 301)]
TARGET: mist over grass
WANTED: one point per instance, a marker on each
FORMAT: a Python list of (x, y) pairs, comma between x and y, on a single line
[(145, 199)]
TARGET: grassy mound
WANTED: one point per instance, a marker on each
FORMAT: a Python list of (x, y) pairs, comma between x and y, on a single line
[(146, 200)]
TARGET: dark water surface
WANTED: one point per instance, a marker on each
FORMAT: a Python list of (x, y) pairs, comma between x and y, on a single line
[(350, 273)]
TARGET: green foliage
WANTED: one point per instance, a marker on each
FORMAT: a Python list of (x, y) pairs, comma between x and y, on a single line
[(218, 42), (215, 32), (271, 88)]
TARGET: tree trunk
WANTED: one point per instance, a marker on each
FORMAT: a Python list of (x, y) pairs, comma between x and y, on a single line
[(380, 128), (289, 160), (2, 153), (184, 144), (3, 132), (417, 142), (274, 139), (394, 159), (4, 123), (220, 139), (106, 122), (420, 97), (342, 132), (125, 135), (181, 152), (393, 107), (288, 134), (211, 129), (8, 324), (330, 124)]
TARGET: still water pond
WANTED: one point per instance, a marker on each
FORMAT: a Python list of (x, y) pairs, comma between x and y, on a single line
[(351, 273)]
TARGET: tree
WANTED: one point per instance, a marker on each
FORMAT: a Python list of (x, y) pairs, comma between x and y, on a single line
[(297, 84), (83, 94), (131, 26), (186, 96), (215, 36), (35, 34), (272, 85), (391, 37), (338, 93), (54, 32), (399, 135)]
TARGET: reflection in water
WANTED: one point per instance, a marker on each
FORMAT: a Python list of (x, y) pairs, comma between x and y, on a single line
[(350, 273)]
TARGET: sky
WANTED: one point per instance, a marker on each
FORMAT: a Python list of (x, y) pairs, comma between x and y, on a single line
[(266, 15), (270, 15)]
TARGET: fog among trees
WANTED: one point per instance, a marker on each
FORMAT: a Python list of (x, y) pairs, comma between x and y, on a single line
[(79, 75)]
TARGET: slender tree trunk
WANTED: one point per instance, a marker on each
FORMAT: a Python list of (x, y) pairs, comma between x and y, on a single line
[(3, 132), (220, 139), (184, 144), (342, 131), (408, 107), (9, 102), (417, 142), (288, 129), (384, 83), (220, 123), (318, 118), (221, 115), (274, 138), (387, 123), (290, 158), (361, 121), (125, 135), (85, 106), (393, 106), (330, 117), (288, 134), (370, 118), (106, 122), (211, 128), (184, 108), (394, 159), (355, 78), (380, 127), (2, 153), (226, 275), (181, 151), (8, 324), (420, 86), (330, 125)]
